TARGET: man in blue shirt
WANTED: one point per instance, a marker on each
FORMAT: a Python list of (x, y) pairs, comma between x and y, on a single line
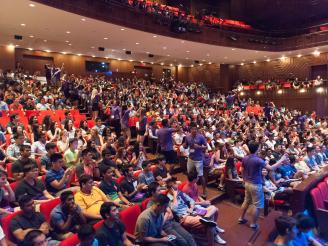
[(252, 166), (197, 145)]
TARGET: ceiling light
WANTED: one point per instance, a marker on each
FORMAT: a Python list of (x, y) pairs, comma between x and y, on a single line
[(122, 29), (233, 49), (302, 90), (203, 60), (152, 63), (162, 63), (31, 36), (242, 64), (106, 57), (207, 54), (167, 55), (70, 44), (180, 65), (137, 43), (283, 58), (124, 49), (66, 41), (147, 52), (105, 38), (44, 40), (171, 65), (119, 59), (299, 55), (141, 62), (254, 62), (188, 51), (200, 64), (29, 48), (64, 53), (164, 48), (131, 60), (92, 47), (209, 63), (11, 46), (68, 32), (23, 24), (279, 92), (316, 53), (83, 19), (258, 93), (242, 93), (79, 54), (93, 56), (192, 65), (16, 45), (154, 36), (31, 5), (48, 51), (268, 60)]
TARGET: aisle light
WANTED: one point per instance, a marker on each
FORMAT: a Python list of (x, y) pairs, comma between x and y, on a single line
[(302, 90), (320, 90)]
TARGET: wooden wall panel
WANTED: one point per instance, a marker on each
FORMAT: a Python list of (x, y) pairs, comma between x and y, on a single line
[(7, 57), (300, 67), (208, 74)]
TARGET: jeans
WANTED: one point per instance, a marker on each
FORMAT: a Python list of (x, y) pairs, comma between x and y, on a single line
[(184, 238)]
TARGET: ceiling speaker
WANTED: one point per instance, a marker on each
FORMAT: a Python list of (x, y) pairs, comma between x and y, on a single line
[(18, 37), (128, 52), (101, 48)]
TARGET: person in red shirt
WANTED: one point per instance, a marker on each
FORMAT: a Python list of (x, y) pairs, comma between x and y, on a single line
[(16, 106)]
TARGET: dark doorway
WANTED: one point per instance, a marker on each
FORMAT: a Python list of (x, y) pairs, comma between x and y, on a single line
[(319, 70)]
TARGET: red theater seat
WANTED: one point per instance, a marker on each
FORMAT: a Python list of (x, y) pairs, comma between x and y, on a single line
[(119, 179), (129, 218), (47, 207), (70, 241), (5, 223), (144, 204), (322, 186)]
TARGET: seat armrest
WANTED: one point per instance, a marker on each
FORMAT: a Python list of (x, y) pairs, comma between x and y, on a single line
[(131, 237)]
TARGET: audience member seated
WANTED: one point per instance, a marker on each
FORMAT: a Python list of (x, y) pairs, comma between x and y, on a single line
[(27, 221), (57, 179), (38, 148), (161, 173), (285, 227), (170, 226), (112, 189), (66, 217), (200, 223), (13, 150), (107, 160), (146, 176), (90, 198), (45, 160), (31, 185), (35, 237), (87, 236), (130, 187), (112, 231), (87, 165), (6, 194), (72, 155), (24, 159)]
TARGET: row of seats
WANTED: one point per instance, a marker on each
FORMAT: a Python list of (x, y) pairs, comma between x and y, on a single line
[(319, 196)]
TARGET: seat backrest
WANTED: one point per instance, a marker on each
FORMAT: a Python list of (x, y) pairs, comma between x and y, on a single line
[(317, 198), (5, 223), (119, 179), (180, 187), (8, 169), (144, 204), (98, 225), (48, 206), (323, 187), (70, 241), (137, 173), (13, 185), (129, 217)]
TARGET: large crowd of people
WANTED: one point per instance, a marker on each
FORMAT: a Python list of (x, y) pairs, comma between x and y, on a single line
[(141, 130)]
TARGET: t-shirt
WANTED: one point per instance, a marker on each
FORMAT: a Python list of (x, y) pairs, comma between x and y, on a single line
[(252, 169), (146, 178), (110, 189), (45, 161), (58, 216), (111, 235), (21, 221), (36, 190), (165, 139), (105, 163), (287, 170), (195, 154), (149, 224), (54, 175), (90, 203), (160, 171), (18, 166), (191, 190), (69, 157), (231, 168)]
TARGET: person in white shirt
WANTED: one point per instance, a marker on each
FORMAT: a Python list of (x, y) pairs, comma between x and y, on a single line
[(42, 105), (39, 147)]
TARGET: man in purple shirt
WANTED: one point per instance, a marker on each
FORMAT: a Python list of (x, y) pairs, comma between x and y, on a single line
[(197, 144), (165, 141), (252, 166)]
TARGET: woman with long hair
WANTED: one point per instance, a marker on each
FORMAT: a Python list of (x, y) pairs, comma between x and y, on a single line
[(142, 126), (69, 127), (82, 143), (95, 99), (96, 137), (63, 142)]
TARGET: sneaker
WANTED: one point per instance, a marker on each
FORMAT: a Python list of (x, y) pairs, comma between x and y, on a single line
[(219, 230), (208, 222), (242, 221), (255, 227), (219, 240)]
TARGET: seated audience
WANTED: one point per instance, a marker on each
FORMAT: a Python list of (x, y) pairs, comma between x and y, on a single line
[(90, 198), (72, 155), (112, 231), (24, 159), (27, 221), (58, 179), (45, 160), (161, 173), (87, 165), (6, 194), (31, 185), (108, 161), (35, 237), (13, 150), (86, 235), (146, 176), (66, 217), (38, 148)]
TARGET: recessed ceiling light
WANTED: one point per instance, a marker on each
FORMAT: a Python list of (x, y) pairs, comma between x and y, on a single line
[(209, 63), (105, 38), (182, 41), (79, 54), (233, 49), (152, 63), (124, 49), (299, 55), (141, 62), (68, 32), (316, 53), (137, 43), (200, 64), (187, 51), (171, 65), (254, 62), (70, 44), (162, 63), (92, 47), (23, 24), (283, 58), (11, 46), (242, 64), (66, 41), (30, 48), (225, 57), (268, 60), (192, 65), (17, 45), (93, 56), (119, 59), (47, 51), (106, 57), (31, 36), (168, 55), (130, 60), (31, 5), (207, 54), (122, 29), (44, 40), (154, 36), (180, 65), (83, 19), (164, 48)]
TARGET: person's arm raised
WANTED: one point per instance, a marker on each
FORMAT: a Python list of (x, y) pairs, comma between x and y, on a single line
[(278, 163)]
